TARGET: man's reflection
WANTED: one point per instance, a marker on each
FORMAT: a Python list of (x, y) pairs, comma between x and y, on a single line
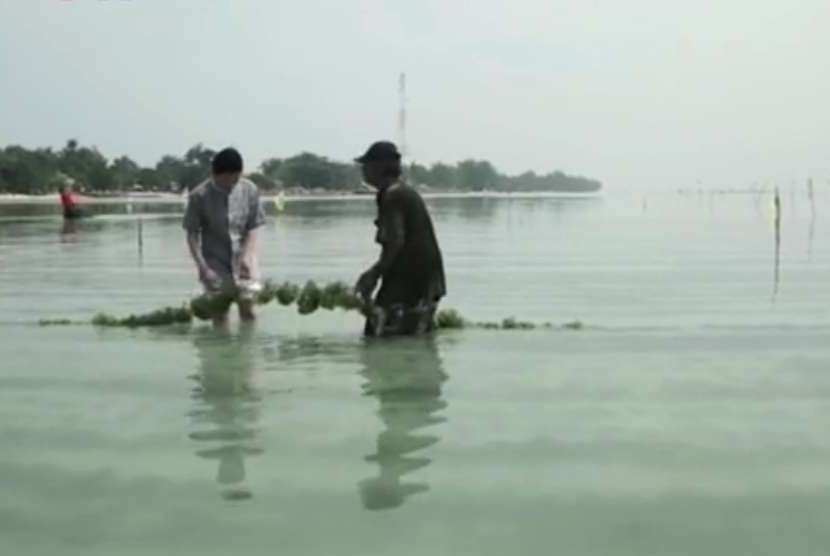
[(405, 375), (227, 405), (68, 231)]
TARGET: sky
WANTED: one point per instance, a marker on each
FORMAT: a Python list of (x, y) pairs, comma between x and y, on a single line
[(637, 93)]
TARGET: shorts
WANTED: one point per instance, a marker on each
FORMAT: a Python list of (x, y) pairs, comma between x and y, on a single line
[(247, 289)]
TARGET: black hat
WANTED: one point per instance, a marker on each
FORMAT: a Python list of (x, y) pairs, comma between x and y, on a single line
[(380, 151)]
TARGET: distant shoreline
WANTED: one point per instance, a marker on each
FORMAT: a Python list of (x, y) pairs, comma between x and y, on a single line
[(173, 198)]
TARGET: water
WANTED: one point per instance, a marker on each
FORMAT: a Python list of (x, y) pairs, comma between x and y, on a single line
[(690, 416)]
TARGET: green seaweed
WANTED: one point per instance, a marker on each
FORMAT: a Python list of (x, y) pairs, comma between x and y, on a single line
[(267, 293), (349, 301), (309, 300), (334, 295), (449, 319), (287, 293), (511, 323), (338, 295), (55, 322), (103, 319), (212, 304), (161, 317)]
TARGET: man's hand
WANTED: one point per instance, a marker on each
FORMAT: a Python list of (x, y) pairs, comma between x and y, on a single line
[(367, 283), (208, 276), (246, 265)]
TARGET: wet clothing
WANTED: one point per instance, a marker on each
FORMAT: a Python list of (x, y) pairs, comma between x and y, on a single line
[(73, 213), (414, 283), (399, 320), (223, 218)]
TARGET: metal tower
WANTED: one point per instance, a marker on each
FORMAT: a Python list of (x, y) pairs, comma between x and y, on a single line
[(402, 142)]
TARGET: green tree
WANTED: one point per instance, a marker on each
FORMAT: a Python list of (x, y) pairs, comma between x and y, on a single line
[(124, 172), (417, 174), (149, 177), (28, 172), (477, 175), (87, 167), (169, 171), (344, 177), (442, 176), (40, 170), (271, 168), (306, 170), (187, 172), (200, 157)]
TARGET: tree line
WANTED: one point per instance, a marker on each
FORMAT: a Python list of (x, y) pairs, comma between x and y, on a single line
[(43, 170)]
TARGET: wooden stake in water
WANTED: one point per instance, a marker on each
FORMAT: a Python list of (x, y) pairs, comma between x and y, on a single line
[(140, 241), (812, 230)]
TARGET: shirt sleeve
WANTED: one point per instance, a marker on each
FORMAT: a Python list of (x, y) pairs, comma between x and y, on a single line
[(192, 221), (257, 214), (391, 221)]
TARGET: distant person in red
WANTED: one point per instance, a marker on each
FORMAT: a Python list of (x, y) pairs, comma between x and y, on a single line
[(69, 202)]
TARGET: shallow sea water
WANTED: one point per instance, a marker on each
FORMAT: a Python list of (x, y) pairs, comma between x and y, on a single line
[(689, 416)]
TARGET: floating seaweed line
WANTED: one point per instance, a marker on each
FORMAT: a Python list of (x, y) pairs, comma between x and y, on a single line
[(308, 299)]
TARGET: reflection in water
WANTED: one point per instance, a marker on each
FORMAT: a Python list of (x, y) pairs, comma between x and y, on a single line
[(227, 405), (310, 349), (405, 376), (811, 233), (68, 231), (467, 208), (777, 223)]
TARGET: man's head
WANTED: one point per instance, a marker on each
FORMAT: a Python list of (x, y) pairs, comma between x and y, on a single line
[(227, 167), (381, 164)]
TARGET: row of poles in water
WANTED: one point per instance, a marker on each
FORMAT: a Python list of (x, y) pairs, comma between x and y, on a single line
[(777, 216)]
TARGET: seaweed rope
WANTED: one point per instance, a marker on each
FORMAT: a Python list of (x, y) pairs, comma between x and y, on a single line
[(308, 299)]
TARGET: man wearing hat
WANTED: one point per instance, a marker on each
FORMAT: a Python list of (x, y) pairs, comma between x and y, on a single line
[(410, 267)]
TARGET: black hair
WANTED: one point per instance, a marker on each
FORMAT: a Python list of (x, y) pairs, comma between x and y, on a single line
[(227, 161)]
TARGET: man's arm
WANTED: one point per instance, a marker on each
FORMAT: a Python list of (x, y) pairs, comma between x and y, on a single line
[(193, 227), (249, 243), (247, 256), (391, 236), (392, 239), (195, 248)]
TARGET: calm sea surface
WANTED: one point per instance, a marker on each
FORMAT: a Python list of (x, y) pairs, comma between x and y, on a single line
[(689, 416)]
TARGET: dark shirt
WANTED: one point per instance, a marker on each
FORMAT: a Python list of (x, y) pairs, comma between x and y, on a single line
[(416, 274), (223, 219)]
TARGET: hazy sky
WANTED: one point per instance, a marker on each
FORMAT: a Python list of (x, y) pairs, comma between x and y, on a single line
[(636, 93)]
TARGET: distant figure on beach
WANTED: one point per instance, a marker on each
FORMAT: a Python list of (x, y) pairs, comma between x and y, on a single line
[(221, 220), (69, 203), (410, 266)]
